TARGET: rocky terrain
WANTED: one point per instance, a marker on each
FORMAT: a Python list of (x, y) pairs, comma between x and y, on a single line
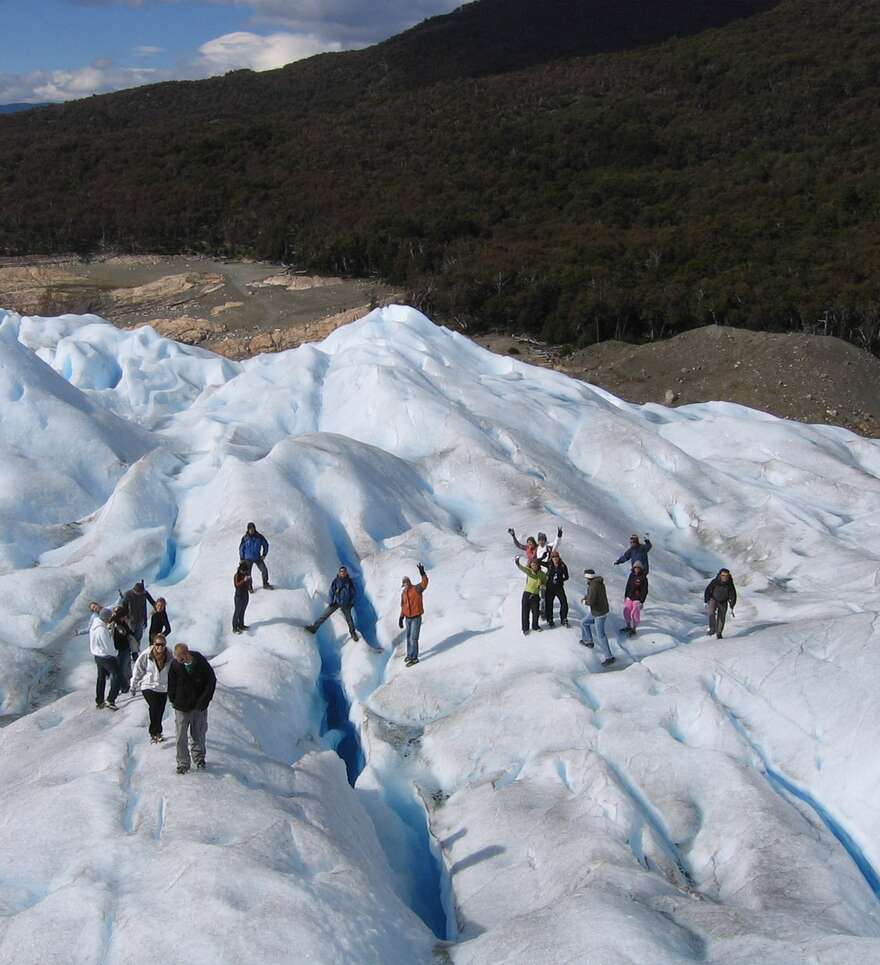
[(240, 309)]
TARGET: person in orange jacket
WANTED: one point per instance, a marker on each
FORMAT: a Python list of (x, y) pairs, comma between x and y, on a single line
[(411, 610)]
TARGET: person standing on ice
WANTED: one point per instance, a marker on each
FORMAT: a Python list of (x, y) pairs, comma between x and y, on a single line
[(102, 649), (536, 578), (253, 549), (122, 641), (634, 597), (593, 624), (411, 611), (243, 589), (191, 684), (342, 596), (557, 574), (720, 593), (637, 553), (159, 622), (151, 678), (135, 602)]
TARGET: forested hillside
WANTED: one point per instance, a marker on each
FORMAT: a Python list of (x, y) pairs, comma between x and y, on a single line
[(725, 176)]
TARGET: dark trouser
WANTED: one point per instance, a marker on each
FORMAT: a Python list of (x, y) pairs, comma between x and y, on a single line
[(156, 702), (107, 667), (717, 616), (123, 665), (346, 610), (556, 593), (241, 601), (531, 603), (194, 724), (261, 566)]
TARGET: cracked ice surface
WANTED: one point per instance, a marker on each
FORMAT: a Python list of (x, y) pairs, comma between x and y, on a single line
[(713, 801)]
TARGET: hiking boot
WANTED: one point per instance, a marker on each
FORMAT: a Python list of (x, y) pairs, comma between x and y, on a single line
[(354, 636), (551, 625), (200, 765), (154, 739), (413, 662), (99, 705), (718, 634), (588, 643), (565, 623), (182, 768), (607, 661), (111, 705), (268, 586), (525, 633), (407, 661), (243, 627), (311, 628)]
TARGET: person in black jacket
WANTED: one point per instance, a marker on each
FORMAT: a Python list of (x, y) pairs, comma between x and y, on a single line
[(557, 574), (159, 622), (720, 593), (122, 641), (634, 597), (135, 602), (191, 683)]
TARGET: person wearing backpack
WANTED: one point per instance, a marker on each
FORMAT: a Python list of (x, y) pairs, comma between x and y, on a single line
[(557, 574), (634, 597), (720, 594)]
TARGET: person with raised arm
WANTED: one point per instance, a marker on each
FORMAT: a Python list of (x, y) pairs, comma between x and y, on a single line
[(342, 597), (150, 676), (536, 578), (637, 553), (135, 602), (412, 610)]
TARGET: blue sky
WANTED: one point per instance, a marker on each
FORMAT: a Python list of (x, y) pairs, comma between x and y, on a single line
[(55, 50)]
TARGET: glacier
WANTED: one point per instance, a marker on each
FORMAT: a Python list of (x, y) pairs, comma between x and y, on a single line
[(505, 800)]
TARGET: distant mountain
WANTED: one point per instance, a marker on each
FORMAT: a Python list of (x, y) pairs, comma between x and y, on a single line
[(586, 169), (16, 108)]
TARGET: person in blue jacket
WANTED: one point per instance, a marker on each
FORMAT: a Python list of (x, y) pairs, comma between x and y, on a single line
[(253, 549), (342, 597), (637, 553)]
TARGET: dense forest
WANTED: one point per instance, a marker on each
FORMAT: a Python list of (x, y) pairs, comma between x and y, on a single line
[(537, 165)]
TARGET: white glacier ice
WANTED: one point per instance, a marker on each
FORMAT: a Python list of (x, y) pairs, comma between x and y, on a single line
[(713, 801)]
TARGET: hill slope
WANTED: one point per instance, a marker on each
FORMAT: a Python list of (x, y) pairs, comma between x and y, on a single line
[(726, 176)]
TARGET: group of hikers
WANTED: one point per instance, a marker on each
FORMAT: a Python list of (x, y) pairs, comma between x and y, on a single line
[(546, 575), (187, 679)]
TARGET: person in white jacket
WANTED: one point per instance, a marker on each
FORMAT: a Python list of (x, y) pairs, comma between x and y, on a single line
[(104, 652), (150, 676)]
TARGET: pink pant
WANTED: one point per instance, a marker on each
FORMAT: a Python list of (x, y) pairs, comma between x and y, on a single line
[(632, 612)]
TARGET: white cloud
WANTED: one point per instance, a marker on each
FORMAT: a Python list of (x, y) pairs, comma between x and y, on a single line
[(98, 77), (241, 49)]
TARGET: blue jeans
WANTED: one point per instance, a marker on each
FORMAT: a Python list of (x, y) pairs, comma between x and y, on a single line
[(413, 629), (587, 625)]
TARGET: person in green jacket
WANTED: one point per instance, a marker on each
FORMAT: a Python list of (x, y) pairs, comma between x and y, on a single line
[(531, 598)]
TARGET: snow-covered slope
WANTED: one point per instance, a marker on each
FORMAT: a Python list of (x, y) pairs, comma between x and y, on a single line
[(714, 801)]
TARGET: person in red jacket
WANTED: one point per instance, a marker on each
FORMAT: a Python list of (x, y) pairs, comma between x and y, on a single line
[(411, 611)]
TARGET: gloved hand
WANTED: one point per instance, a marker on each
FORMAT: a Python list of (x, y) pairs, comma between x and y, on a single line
[(516, 559), (420, 568), (400, 623), (616, 563), (559, 532), (511, 531)]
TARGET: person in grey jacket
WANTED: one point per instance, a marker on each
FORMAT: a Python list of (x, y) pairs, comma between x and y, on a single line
[(637, 553), (135, 602)]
